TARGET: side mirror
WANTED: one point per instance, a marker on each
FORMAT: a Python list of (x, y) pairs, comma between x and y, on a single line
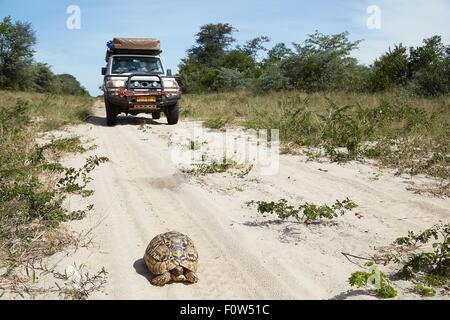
[(103, 71), (169, 72)]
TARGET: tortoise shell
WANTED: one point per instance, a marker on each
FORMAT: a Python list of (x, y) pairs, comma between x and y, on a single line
[(170, 250)]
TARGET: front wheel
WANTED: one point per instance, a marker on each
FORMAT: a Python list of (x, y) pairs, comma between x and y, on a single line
[(172, 114), (156, 116), (111, 114)]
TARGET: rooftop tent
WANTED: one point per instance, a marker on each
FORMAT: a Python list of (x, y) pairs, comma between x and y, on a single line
[(136, 44), (133, 46)]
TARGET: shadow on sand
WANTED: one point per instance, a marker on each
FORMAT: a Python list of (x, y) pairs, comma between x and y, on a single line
[(357, 293), (141, 268), (123, 121), (290, 231)]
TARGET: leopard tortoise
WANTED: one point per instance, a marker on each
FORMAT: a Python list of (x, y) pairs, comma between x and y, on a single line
[(172, 256)]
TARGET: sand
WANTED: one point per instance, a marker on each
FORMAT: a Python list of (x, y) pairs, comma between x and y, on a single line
[(141, 192)]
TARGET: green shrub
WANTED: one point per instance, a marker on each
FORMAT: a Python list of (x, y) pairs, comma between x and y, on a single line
[(306, 213), (424, 259), (418, 262), (214, 123), (376, 278), (228, 79), (423, 291), (272, 79)]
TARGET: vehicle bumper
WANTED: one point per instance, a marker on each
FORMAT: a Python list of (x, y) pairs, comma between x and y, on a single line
[(139, 102)]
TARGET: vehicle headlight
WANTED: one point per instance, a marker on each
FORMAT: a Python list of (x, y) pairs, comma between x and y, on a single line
[(115, 84), (171, 85)]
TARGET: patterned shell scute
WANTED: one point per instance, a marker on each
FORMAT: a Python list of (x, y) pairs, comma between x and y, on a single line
[(169, 250)]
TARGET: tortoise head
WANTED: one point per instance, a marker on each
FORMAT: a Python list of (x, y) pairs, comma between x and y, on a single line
[(178, 274)]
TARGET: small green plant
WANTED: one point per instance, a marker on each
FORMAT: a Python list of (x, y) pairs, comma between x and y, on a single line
[(437, 281), (70, 182), (210, 168), (306, 213), (424, 259), (214, 123), (342, 128), (67, 145), (374, 278), (423, 291), (74, 283), (205, 168), (245, 171), (417, 260), (79, 214), (195, 145), (79, 284), (46, 157)]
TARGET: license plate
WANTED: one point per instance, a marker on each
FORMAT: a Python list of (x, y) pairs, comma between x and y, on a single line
[(146, 99)]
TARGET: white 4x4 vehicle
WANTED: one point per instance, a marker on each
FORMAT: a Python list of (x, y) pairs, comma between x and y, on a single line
[(135, 81)]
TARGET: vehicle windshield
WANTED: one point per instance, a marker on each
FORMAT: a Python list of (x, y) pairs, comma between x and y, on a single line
[(123, 65)]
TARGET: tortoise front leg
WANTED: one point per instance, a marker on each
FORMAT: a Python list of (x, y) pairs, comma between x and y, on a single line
[(191, 277), (161, 280)]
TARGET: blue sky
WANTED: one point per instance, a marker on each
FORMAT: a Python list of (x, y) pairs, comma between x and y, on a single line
[(81, 52)]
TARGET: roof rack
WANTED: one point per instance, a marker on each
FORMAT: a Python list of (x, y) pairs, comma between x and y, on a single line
[(140, 46)]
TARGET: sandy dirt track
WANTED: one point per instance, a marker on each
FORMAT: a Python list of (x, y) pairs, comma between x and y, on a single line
[(140, 193)]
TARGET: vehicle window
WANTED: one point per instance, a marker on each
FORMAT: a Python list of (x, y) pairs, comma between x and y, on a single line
[(123, 65)]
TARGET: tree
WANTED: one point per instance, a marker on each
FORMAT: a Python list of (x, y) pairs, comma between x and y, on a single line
[(337, 44), (390, 70), (238, 60), (228, 80), (69, 85), (196, 77), (253, 46), (212, 41), (16, 51), (322, 62), (44, 79), (272, 79), (432, 52), (279, 52), (425, 69), (429, 67)]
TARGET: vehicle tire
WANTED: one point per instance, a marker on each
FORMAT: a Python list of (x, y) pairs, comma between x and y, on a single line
[(156, 115), (111, 114), (172, 114)]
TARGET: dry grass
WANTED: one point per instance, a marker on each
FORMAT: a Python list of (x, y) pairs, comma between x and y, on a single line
[(401, 131), (49, 111), (234, 107)]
